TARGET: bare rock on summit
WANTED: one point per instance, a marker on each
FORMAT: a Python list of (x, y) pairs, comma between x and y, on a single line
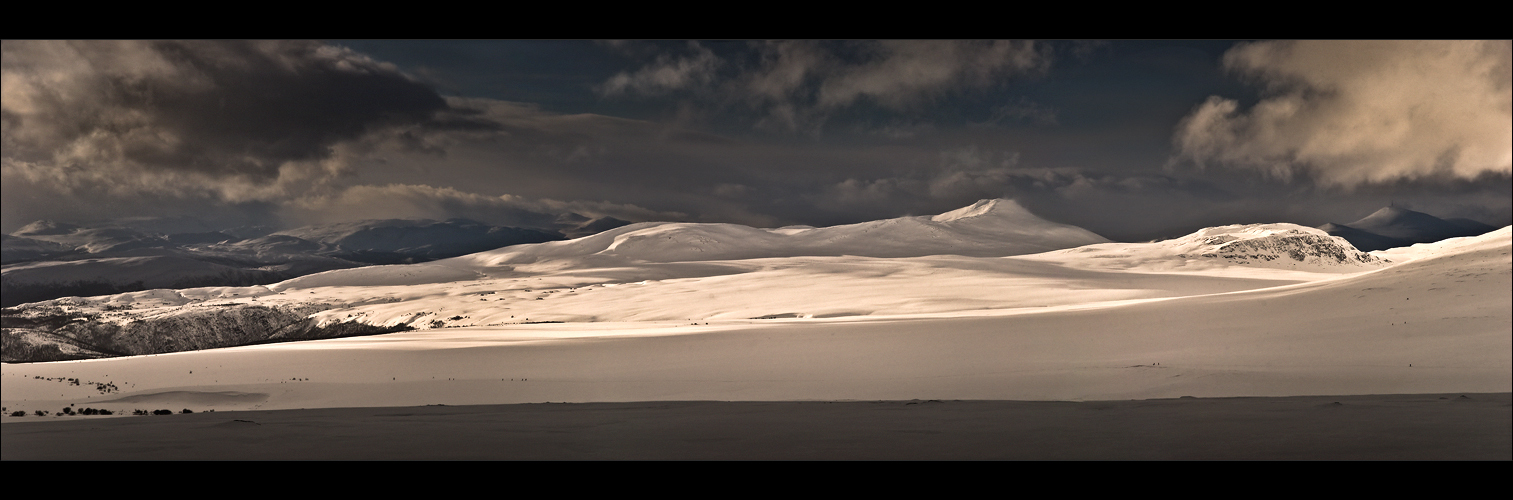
[(1277, 246), (1298, 245)]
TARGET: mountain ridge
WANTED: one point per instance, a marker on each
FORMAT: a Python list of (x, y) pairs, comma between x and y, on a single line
[(1393, 227), (988, 228)]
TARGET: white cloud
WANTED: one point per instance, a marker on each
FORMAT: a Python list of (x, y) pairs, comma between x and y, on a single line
[(902, 73), (1352, 112), (666, 74)]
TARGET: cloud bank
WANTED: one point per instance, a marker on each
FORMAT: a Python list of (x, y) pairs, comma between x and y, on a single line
[(1345, 113), (238, 121), (290, 133), (797, 85), (421, 201)]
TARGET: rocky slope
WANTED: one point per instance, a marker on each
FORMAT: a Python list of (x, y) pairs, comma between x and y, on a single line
[(1274, 246), (62, 330)]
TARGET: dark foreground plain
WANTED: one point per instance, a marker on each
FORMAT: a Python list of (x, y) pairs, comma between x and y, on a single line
[(1379, 427)]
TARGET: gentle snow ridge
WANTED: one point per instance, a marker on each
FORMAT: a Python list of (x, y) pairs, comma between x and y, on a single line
[(988, 228)]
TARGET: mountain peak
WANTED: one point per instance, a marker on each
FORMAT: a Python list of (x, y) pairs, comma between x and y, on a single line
[(1364, 241), (1389, 214), (999, 206), (45, 228), (1408, 225), (987, 228)]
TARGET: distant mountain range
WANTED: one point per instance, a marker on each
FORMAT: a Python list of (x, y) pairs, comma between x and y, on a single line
[(1394, 227), (988, 228), (992, 255), (46, 260), (34, 331)]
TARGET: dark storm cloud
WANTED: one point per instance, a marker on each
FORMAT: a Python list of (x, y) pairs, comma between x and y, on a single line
[(702, 132), (234, 120), (644, 170), (424, 201), (1024, 110), (322, 133), (528, 166)]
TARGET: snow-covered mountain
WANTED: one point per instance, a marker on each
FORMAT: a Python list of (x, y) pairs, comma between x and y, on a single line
[(91, 239), (1275, 246), (1362, 240), (400, 240), (1487, 241), (1434, 323), (22, 249), (577, 226), (988, 228), (973, 261), (1393, 227)]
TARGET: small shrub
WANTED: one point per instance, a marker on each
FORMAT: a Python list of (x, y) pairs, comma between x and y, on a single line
[(162, 412), (187, 411), (40, 413), (18, 413)]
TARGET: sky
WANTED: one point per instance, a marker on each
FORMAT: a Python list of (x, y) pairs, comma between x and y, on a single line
[(1133, 140)]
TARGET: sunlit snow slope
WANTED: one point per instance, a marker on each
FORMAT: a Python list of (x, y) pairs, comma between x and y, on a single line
[(1436, 320), (636, 274), (988, 228)]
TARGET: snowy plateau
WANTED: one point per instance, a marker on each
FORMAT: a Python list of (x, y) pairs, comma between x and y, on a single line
[(985, 302)]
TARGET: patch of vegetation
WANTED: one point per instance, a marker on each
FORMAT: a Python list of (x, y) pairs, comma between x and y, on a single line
[(103, 387)]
